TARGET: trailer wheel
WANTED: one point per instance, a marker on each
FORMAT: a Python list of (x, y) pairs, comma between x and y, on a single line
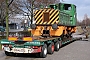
[(51, 48), (60, 43), (43, 53), (9, 53), (57, 46)]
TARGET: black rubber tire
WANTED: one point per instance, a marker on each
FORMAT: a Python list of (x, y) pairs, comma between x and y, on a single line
[(33, 26), (57, 46), (54, 26), (9, 53), (50, 51), (43, 53), (60, 44)]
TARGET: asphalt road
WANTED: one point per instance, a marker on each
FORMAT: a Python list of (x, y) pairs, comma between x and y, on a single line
[(77, 50)]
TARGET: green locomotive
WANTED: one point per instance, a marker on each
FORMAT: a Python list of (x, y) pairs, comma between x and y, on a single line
[(60, 19)]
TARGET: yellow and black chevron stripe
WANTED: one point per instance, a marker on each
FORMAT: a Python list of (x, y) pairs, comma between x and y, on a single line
[(53, 16)]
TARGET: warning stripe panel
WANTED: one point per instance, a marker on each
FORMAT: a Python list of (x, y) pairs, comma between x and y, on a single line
[(55, 20), (39, 20), (38, 13), (53, 16), (39, 16)]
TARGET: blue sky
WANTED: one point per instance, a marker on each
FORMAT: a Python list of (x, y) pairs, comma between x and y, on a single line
[(83, 7)]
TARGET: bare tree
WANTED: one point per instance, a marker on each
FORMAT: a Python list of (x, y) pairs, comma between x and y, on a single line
[(26, 7), (3, 10), (22, 7), (85, 21)]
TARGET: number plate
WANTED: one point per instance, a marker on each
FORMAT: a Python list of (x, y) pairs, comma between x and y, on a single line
[(18, 50), (22, 50)]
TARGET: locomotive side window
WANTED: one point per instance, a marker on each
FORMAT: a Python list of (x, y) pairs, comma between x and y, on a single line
[(67, 7)]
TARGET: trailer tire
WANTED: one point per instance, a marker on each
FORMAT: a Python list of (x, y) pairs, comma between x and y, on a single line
[(60, 43), (43, 52), (57, 46), (9, 53), (51, 48)]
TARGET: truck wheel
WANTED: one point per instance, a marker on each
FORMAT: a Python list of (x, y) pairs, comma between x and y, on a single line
[(57, 46), (51, 48), (9, 53), (43, 53)]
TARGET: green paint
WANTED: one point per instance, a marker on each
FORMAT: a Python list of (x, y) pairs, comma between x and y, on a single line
[(67, 13)]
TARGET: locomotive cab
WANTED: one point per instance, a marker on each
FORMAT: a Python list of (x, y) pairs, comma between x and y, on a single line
[(71, 10)]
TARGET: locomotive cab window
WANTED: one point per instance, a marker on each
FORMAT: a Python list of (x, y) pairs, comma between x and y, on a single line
[(53, 6), (67, 7)]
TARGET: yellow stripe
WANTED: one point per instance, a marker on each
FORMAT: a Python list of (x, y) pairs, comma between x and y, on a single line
[(44, 10), (44, 22), (48, 10), (37, 13), (55, 20), (39, 16), (53, 17), (53, 13), (39, 20)]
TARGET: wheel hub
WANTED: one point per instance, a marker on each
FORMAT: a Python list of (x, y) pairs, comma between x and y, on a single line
[(45, 51)]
